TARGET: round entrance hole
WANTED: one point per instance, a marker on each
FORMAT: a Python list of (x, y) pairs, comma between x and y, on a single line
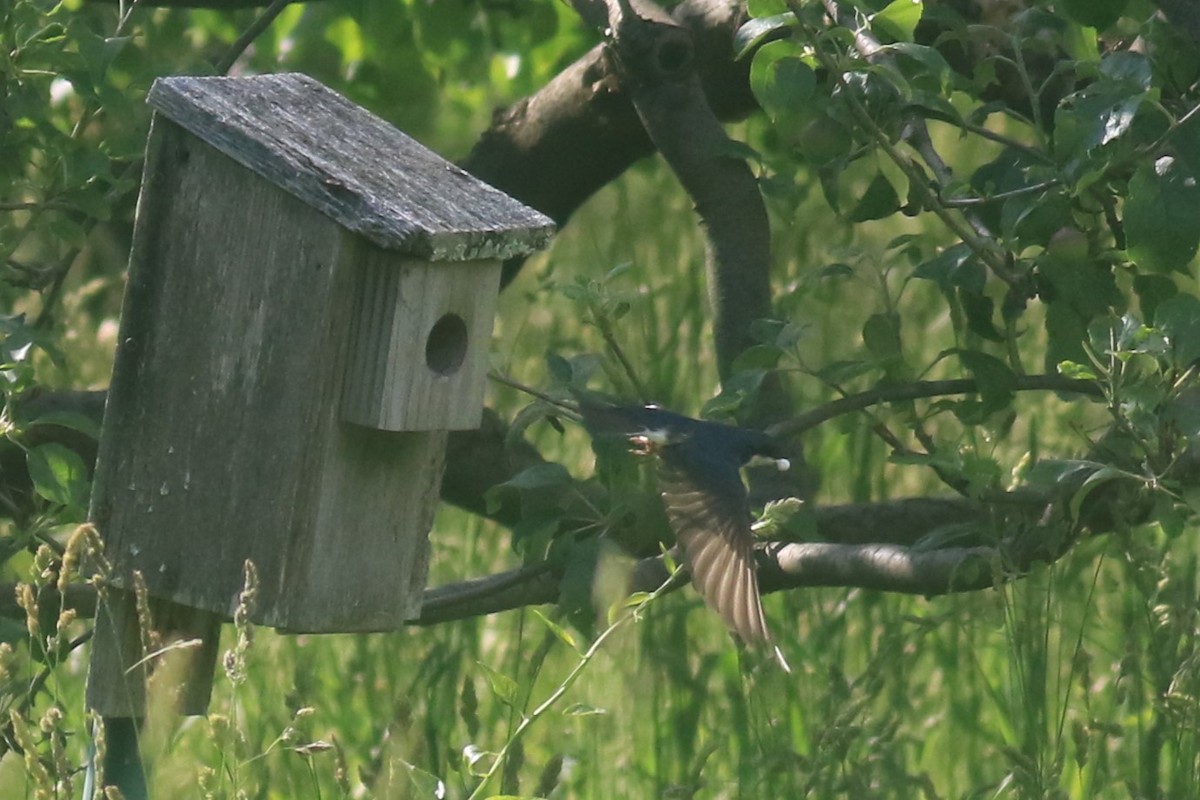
[(446, 346)]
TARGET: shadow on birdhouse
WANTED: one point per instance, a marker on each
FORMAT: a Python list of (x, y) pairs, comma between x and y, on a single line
[(308, 312)]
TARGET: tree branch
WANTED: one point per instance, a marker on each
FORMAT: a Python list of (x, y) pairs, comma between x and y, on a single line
[(655, 56), (884, 566), (922, 389), (532, 150)]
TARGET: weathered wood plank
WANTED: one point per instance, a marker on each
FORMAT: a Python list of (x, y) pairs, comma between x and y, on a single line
[(353, 166), (420, 343)]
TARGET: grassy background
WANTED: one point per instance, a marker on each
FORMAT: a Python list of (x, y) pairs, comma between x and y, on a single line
[(1077, 682), (1080, 681)]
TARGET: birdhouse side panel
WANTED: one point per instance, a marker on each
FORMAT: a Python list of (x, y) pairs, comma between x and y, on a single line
[(364, 568), (229, 338), (419, 351)]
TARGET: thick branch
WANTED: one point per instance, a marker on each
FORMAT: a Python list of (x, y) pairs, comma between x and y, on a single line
[(556, 148), (656, 58), (783, 565)]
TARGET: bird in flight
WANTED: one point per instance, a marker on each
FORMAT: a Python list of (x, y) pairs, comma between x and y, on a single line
[(699, 475)]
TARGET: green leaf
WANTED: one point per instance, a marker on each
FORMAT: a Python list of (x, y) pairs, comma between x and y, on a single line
[(1098, 14), (532, 535), (735, 149), (69, 419), (878, 201), (781, 335), (956, 534), (1094, 481), (1129, 68), (956, 266), (540, 476), (1035, 218), (996, 382), (477, 760), (756, 357), (839, 372), (1094, 116), (59, 475), (780, 80), (754, 31), (1152, 290), (1162, 216), (1178, 318), (934, 74), (881, 335), (529, 415), (1123, 336), (978, 309), (425, 783), (1058, 473), (575, 587), (503, 687), (789, 517), (560, 632), (898, 19), (735, 393), (1085, 285), (1077, 371), (1066, 330)]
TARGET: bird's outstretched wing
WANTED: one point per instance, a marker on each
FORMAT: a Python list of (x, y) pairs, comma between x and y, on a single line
[(705, 500), (712, 525)]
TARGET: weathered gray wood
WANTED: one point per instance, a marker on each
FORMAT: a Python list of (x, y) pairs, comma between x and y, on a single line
[(420, 343), (222, 440), (120, 667), (352, 165), (116, 685)]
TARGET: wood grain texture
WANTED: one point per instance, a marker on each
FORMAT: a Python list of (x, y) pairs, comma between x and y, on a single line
[(353, 166), (392, 384), (222, 438)]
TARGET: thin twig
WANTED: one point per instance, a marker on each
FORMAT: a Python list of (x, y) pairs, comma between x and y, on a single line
[(249, 35), (919, 390), (614, 346), (999, 138), (529, 390), (981, 200)]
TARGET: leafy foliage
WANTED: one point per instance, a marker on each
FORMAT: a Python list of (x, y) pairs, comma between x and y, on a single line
[(954, 195)]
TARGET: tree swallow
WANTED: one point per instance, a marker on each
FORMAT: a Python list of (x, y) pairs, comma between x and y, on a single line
[(699, 474)]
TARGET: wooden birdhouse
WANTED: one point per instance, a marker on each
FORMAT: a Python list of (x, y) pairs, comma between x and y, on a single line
[(308, 312)]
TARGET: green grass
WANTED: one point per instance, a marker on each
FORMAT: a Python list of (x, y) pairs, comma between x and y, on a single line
[(1080, 681)]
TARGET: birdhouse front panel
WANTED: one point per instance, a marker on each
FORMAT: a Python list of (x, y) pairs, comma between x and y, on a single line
[(418, 352)]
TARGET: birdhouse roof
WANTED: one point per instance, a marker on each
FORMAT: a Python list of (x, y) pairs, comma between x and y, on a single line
[(353, 166)]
